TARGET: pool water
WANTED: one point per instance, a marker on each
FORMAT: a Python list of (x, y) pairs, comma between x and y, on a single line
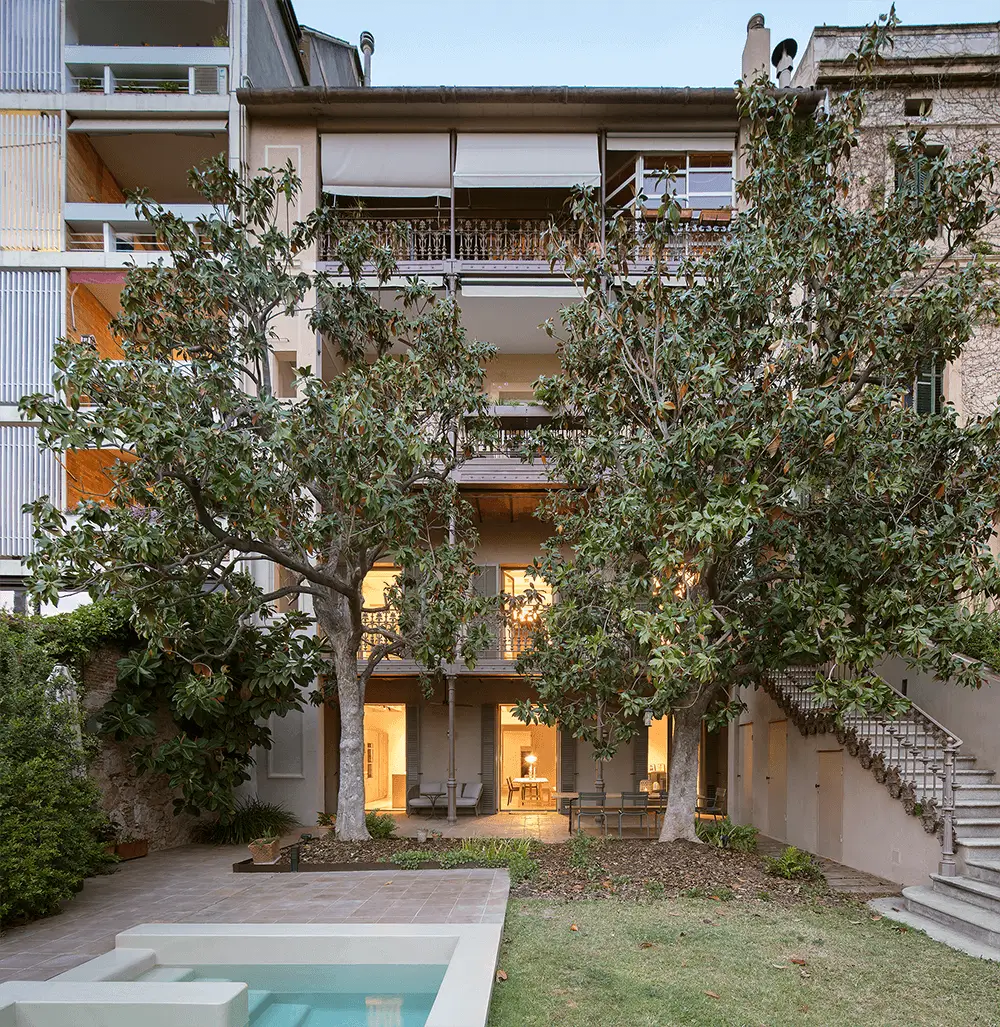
[(325, 996)]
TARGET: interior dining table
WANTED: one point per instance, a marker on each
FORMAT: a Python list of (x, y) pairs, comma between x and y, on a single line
[(526, 783)]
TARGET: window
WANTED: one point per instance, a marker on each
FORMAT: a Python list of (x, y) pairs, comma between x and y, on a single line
[(927, 394), (284, 386), (697, 181), (369, 761), (915, 171), (917, 107)]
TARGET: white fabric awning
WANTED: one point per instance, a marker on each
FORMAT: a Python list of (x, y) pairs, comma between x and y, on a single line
[(520, 161), (386, 164), (673, 142)]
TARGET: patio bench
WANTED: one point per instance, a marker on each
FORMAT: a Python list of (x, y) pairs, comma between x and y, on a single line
[(424, 797), (469, 796)]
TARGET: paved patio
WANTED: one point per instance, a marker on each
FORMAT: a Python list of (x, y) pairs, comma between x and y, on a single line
[(195, 884)]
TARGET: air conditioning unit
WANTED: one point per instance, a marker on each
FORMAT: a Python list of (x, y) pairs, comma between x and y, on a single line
[(209, 80)]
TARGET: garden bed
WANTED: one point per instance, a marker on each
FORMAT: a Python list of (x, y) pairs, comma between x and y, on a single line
[(588, 868)]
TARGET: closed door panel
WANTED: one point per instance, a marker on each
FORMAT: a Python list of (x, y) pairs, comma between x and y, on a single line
[(746, 772), (777, 778), (830, 804)]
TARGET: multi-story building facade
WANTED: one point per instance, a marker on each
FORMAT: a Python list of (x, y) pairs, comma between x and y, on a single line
[(97, 98), (464, 182)]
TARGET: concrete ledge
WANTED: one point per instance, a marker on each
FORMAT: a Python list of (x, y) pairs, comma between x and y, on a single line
[(123, 1004), (116, 965)]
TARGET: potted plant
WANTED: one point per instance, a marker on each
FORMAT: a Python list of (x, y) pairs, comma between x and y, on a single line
[(124, 844), (265, 850)]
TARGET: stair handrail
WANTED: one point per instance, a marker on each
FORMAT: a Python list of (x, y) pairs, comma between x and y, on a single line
[(895, 754)]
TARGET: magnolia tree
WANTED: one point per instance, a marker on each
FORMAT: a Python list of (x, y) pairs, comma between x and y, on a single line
[(220, 480), (750, 485)]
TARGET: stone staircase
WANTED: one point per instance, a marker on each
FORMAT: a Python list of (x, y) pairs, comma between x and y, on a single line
[(911, 754)]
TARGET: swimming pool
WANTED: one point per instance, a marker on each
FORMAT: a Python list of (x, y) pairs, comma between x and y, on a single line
[(271, 975), (386, 995)]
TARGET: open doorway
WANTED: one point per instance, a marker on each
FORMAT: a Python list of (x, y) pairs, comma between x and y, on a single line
[(385, 756), (658, 754), (527, 763)]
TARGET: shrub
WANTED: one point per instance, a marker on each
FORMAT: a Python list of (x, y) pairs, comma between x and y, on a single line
[(250, 820), (380, 825), (984, 641), (724, 834), (793, 864), (583, 850), (514, 854), (53, 832)]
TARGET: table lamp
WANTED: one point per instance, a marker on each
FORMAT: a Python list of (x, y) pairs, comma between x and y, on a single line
[(531, 759)]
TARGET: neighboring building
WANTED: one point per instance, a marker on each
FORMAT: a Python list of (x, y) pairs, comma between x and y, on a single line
[(857, 794), (98, 97)]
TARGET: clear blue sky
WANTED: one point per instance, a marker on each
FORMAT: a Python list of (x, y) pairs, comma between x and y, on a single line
[(590, 42)]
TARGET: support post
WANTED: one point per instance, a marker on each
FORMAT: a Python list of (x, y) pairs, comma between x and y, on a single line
[(452, 783), (599, 780), (947, 867)]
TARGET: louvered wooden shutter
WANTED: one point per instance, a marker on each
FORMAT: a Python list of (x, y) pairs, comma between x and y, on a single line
[(488, 743), (412, 746), (640, 756), (487, 583), (567, 764)]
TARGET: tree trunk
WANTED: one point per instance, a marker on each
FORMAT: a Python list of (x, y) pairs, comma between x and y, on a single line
[(335, 617), (682, 779)]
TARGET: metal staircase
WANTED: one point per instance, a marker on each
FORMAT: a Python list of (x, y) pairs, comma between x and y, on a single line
[(918, 761)]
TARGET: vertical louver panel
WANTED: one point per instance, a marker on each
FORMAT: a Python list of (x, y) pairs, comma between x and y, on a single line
[(30, 216), (640, 755), (29, 327), (29, 46), (487, 583), (488, 740), (412, 746), (567, 763), (26, 472)]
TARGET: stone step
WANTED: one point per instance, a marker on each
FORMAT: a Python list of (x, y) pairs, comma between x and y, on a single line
[(976, 792), (978, 827), (978, 848), (978, 924), (986, 870), (974, 777), (283, 1014), (968, 889), (895, 909), (975, 808)]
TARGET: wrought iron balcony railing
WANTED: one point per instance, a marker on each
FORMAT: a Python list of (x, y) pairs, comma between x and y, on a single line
[(511, 629), (485, 241)]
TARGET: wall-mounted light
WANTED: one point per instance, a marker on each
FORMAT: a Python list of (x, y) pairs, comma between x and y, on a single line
[(647, 717)]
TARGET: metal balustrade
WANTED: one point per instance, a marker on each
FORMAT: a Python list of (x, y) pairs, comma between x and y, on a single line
[(499, 240), (512, 442), (912, 754), (512, 631)]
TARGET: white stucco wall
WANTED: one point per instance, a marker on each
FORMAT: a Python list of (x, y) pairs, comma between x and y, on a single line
[(972, 714), (878, 835)]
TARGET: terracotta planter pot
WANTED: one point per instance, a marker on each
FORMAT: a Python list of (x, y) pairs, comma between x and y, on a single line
[(132, 850), (264, 851)]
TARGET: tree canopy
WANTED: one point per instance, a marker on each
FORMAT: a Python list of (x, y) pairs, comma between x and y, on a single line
[(220, 479), (750, 484)]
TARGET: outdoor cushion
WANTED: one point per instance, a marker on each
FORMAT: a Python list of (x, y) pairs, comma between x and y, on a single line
[(432, 788), (421, 802), (472, 791)]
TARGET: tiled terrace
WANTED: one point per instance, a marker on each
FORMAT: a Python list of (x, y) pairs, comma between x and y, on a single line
[(195, 884)]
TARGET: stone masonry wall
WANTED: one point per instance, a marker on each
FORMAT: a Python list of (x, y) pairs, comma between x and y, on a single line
[(142, 804)]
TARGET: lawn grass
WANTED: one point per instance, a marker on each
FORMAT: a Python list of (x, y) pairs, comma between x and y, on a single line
[(646, 964)]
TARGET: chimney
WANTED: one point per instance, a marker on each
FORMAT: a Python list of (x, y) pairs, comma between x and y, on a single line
[(755, 51), (367, 48), (782, 57)]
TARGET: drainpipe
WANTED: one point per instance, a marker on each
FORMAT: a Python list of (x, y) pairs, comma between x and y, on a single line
[(452, 783), (367, 48)]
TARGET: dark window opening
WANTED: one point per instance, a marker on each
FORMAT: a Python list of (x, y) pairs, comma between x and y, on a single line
[(917, 107)]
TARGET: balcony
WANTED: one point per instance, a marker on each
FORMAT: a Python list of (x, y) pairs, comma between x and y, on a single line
[(512, 630), (185, 70), (514, 244), (113, 228)]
